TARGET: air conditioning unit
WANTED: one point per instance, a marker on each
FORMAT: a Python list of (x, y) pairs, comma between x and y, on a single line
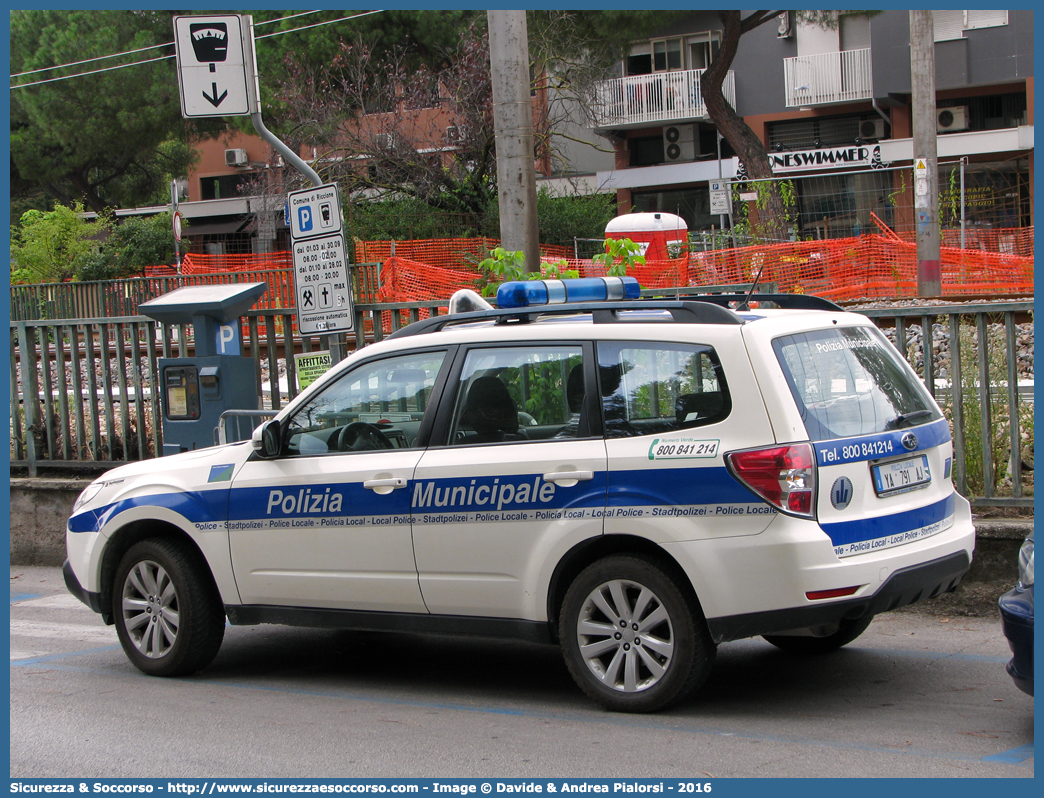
[(872, 129), (453, 133), (237, 157), (679, 143), (948, 119)]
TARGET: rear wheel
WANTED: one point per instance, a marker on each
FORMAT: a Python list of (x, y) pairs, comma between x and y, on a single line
[(633, 640), (847, 631), (169, 616)]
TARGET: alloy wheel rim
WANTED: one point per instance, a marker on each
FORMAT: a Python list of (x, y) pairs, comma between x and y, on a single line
[(150, 609), (625, 635)]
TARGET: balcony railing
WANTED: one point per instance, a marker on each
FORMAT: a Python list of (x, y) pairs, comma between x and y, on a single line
[(828, 78), (660, 97)]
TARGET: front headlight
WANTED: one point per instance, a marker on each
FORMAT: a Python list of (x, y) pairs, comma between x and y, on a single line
[(87, 494), (1026, 563)]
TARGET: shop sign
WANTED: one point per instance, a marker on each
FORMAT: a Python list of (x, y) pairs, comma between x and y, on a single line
[(856, 156)]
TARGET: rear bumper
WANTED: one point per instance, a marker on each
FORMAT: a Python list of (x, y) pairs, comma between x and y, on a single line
[(903, 587)]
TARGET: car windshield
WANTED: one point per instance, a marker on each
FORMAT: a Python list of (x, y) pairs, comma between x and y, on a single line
[(850, 381)]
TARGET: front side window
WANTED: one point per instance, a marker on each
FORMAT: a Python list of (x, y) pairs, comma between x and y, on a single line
[(519, 394), (850, 381), (653, 388), (377, 405)]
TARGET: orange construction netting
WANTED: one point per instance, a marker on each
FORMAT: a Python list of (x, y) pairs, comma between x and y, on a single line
[(880, 266), (864, 267)]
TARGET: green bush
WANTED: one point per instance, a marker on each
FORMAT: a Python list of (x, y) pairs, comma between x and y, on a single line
[(52, 247), (561, 219)]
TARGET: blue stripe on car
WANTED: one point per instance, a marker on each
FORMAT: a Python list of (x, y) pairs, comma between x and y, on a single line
[(843, 532), (881, 445)]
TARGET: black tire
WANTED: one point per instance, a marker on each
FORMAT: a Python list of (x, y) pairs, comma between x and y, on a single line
[(628, 663), (848, 630), (168, 612)]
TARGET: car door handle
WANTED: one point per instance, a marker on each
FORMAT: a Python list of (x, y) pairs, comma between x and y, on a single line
[(385, 485), (568, 476)]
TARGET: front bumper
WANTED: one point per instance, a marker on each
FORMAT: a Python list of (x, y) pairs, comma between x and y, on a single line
[(1016, 608), (903, 587), (92, 600)]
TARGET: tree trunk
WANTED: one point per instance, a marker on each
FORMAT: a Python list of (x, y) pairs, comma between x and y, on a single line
[(768, 217)]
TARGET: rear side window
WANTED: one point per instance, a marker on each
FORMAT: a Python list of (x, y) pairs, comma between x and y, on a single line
[(651, 388), (519, 394), (849, 381)]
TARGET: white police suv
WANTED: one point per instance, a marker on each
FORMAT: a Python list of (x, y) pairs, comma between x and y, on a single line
[(636, 480)]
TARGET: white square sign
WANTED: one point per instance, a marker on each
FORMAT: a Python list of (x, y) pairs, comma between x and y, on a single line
[(324, 295), (213, 66), (315, 212)]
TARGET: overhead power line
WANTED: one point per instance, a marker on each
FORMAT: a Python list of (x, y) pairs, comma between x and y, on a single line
[(166, 57)]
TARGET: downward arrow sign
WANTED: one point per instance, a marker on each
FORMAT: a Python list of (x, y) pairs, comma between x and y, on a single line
[(215, 100)]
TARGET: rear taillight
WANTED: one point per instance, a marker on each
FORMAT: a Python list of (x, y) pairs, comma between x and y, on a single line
[(784, 476)]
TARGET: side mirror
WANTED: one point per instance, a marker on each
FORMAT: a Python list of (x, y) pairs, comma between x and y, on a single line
[(267, 440)]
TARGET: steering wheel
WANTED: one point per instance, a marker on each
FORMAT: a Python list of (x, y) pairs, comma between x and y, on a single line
[(360, 436)]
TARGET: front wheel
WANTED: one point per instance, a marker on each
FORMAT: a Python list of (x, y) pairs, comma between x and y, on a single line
[(169, 615), (847, 631), (634, 640)]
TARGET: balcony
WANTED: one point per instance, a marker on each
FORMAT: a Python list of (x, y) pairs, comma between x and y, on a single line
[(657, 98), (828, 78)]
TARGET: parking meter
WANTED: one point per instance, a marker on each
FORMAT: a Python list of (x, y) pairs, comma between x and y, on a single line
[(195, 391)]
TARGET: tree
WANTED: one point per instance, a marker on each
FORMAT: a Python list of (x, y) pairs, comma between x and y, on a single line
[(388, 122), (375, 120), (771, 221), (110, 139), (51, 247), (132, 244)]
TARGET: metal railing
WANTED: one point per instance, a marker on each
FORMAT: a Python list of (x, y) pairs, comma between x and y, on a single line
[(98, 299), (95, 406), (828, 78), (659, 97)]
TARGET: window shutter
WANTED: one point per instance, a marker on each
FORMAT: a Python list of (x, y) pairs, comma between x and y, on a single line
[(948, 25), (985, 19), (855, 32)]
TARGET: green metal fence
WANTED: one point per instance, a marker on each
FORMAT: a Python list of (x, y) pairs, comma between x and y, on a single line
[(95, 407)]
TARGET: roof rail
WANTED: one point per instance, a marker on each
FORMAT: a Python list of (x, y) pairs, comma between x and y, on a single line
[(681, 312), (695, 309), (785, 301)]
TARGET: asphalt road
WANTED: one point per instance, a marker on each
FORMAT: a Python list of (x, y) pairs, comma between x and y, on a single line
[(917, 695)]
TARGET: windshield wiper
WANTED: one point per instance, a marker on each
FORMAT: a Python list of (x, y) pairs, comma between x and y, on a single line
[(904, 419)]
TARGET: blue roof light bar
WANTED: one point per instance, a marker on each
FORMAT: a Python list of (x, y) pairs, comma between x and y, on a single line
[(527, 293)]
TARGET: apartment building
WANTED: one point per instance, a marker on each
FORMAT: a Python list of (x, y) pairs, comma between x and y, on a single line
[(831, 105)]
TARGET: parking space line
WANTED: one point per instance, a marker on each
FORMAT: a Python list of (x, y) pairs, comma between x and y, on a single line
[(1016, 756), (56, 657), (25, 597)]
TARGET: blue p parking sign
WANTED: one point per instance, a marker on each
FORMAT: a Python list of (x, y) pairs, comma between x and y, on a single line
[(304, 218), (228, 339)]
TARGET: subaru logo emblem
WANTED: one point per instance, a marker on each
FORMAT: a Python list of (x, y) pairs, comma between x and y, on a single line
[(910, 441), (841, 493)]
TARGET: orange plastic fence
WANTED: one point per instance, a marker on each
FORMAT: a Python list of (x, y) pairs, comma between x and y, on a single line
[(450, 253), (993, 262), (870, 266)]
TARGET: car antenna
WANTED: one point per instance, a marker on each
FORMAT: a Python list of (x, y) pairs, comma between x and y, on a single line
[(745, 304)]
